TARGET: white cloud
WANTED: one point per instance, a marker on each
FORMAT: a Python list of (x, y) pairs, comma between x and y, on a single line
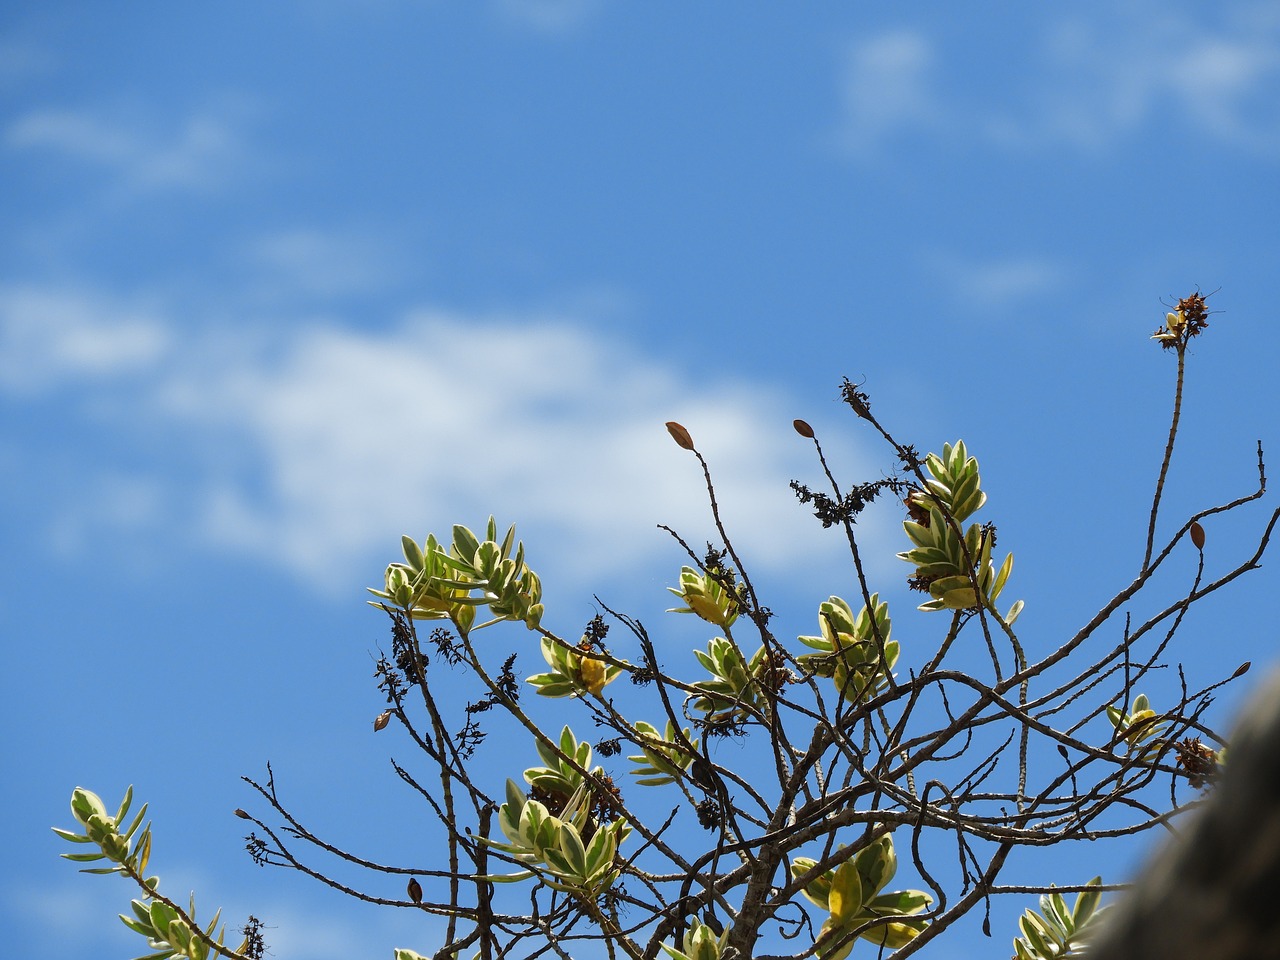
[(315, 449), (200, 153), (51, 338), (364, 437)]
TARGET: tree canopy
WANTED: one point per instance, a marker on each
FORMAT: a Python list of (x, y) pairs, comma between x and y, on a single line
[(882, 788)]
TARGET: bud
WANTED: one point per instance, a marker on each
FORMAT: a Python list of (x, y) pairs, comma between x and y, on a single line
[(680, 435), (1197, 535), (803, 429), (242, 814), (592, 673)]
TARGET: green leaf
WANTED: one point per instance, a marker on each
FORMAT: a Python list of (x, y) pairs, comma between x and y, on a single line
[(1086, 904), (465, 543), (877, 863), (1055, 912), (162, 915), (845, 897), (1034, 933), (142, 855), (919, 534), (506, 877), (135, 926), (905, 902), (412, 553), (831, 932), (158, 955), (137, 821), (464, 616), (816, 890), (1002, 578), (124, 806), (573, 850), (601, 852)]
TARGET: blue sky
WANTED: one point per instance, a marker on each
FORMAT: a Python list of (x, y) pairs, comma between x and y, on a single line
[(279, 283)]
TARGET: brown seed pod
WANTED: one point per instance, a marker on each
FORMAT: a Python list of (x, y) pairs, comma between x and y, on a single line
[(680, 435), (1197, 535), (381, 720), (242, 815), (803, 429)]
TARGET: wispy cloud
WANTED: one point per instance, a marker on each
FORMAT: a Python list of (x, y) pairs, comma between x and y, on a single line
[(200, 152), (887, 88), (1110, 76), (996, 284), (1088, 80), (548, 16), (315, 450), (52, 339), (323, 263)]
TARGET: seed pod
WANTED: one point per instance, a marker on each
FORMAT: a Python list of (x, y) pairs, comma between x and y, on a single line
[(1197, 535), (241, 814), (680, 435), (381, 720), (803, 429)]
